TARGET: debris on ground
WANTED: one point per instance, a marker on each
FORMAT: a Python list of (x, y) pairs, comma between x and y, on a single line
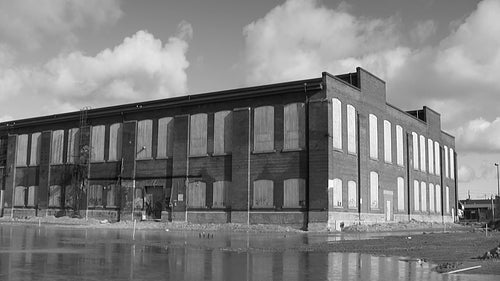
[(491, 254), (447, 266)]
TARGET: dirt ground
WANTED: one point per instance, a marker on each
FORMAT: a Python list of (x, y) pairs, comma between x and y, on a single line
[(450, 246)]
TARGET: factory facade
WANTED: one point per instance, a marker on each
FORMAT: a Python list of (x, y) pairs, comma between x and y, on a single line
[(318, 153)]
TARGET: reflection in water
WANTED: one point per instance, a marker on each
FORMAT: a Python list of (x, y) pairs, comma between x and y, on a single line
[(33, 253)]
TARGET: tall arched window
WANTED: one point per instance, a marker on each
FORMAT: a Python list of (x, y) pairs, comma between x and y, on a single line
[(374, 190)]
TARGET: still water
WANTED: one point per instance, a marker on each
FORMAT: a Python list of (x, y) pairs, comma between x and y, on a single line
[(51, 253)]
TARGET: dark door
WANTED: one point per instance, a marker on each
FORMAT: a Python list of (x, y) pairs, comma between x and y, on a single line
[(154, 201)]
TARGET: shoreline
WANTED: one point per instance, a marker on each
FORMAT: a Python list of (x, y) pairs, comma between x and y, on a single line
[(449, 247)]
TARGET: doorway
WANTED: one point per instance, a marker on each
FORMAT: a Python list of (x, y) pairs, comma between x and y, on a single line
[(154, 201), (388, 206)]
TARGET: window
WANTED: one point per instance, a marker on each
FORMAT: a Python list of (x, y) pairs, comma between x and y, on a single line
[(446, 163), (422, 154), (415, 150), (263, 129), (198, 135), (31, 196), (387, 142), (352, 194), (56, 150), (294, 193), (399, 145), (374, 190), (196, 194), (401, 194), (112, 192), (97, 144), (69, 194), (223, 124), (19, 196), (452, 163), (438, 198), (337, 123), (372, 119), (263, 194), (423, 198), (139, 199), (55, 196), (335, 193), (144, 139), (35, 149), (447, 199), (115, 142), (430, 151), (95, 196), (431, 198), (294, 124), (416, 196), (437, 157), (22, 150), (73, 145), (220, 189), (351, 129), (165, 137)]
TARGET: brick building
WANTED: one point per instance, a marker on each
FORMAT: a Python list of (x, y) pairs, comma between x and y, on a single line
[(322, 152)]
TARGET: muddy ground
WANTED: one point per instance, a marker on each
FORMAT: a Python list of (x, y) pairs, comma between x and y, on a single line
[(450, 246)]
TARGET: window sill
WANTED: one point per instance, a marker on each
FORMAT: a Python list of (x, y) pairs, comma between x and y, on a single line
[(198, 155), (262, 208), (373, 159), (263, 151), (292, 149), (339, 150), (93, 162), (144, 159), (220, 154), (338, 207), (352, 153)]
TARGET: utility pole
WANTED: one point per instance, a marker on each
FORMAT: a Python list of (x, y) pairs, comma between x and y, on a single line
[(498, 180)]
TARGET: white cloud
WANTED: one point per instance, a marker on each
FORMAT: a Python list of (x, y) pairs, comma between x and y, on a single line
[(479, 135), (422, 31), (466, 174), (28, 22), (301, 38)]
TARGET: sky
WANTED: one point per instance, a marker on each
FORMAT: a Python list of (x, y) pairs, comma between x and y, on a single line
[(63, 55)]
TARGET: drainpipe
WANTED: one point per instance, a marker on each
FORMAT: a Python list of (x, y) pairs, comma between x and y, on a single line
[(306, 129), (408, 171), (358, 138), (248, 163)]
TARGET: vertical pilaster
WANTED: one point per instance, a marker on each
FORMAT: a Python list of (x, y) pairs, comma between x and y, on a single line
[(180, 166)]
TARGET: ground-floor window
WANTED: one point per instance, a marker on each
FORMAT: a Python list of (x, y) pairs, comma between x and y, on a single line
[(431, 198), (263, 194), (416, 196), (401, 194), (293, 193), (352, 194), (335, 193), (31, 196), (423, 198), (196, 194), (438, 198), (220, 189), (95, 196), (19, 195), (55, 196), (374, 190)]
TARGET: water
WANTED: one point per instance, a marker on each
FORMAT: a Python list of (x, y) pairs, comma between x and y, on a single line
[(51, 253)]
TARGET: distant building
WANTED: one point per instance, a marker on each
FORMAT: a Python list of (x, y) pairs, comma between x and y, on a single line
[(481, 210), (323, 152)]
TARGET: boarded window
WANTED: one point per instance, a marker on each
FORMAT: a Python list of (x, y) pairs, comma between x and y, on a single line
[(22, 150), (335, 193), (447, 200), (263, 129), (263, 194), (294, 126), (56, 149), (223, 124), (19, 196), (423, 197), (97, 145), (416, 195), (138, 199), (294, 193), (401, 194), (452, 163), (446, 162), (422, 154), (95, 196), (430, 155), (415, 150), (372, 119), (69, 194), (55, 196), (112, 195), (337, 123), (220, 189), (73, 145), (387, 142), (352, 196), (31, 196), (438, 198), (115, 142), (196, 195), (35, 149), (374, 190), (351, 129), (144, 139), (198, 135), (165, 137), (437, 157), (399, 145), (431, 198)]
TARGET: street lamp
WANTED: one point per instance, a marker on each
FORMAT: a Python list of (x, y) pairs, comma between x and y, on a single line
[(498, 180)]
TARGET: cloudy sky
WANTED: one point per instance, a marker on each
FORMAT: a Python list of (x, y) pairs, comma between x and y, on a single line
[(62, 55)]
